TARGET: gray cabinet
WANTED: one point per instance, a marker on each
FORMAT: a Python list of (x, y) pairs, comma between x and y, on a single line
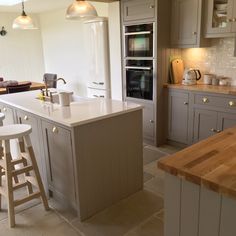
[(220, 18), (225, 121), (148, 123), (9, 115), (178, 104), (138, 9), (186, 30), (58, 152), (205, 124)]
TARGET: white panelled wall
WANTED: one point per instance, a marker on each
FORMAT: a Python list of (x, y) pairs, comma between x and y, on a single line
[(21, 53), (58, 47)]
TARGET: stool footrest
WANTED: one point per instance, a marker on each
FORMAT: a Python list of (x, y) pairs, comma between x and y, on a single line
[(25, 155), (20, 185), (13, 162), (26, 199), (22, 170)]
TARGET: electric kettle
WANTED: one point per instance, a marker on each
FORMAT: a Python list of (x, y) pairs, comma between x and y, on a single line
[(191, 76)]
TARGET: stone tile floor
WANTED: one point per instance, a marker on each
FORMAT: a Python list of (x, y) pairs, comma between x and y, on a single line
[(139, 215)]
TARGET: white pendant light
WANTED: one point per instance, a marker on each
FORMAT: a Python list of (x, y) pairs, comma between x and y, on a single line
[(81, 9), (23, 21)]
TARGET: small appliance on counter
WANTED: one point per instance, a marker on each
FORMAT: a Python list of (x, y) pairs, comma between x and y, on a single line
[(191, 76)]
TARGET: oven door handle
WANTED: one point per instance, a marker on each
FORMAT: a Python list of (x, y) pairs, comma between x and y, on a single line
[(138, 33), (138, 67)]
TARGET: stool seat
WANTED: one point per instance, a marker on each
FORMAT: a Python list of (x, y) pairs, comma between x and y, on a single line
[(14, 131), (2, 116)]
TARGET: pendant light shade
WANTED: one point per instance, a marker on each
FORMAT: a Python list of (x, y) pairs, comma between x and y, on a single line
[(23, 21), (81, 9)]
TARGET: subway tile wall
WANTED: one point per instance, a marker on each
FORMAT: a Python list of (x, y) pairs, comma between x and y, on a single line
[(218, 59)]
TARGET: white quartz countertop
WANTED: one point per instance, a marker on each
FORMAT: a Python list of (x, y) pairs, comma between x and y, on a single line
[(81, 111)]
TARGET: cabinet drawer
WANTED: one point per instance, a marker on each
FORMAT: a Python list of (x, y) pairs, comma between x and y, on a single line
[(138, 9), (227, 103)]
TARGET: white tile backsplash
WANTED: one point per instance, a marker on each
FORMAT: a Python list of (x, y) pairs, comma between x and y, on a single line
[(217, 59)]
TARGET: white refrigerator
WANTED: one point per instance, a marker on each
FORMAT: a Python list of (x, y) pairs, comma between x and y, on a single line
[(97, 50)]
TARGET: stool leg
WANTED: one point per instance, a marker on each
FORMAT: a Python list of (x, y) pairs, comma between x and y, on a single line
[(36, 170), (22, 149), (8, 173)]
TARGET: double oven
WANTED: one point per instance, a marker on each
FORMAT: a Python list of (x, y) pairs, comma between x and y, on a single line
[(138, 62)]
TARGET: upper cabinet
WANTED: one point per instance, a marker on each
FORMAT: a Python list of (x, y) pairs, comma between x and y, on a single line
[(138, 10), (220, 18), (186, 25)]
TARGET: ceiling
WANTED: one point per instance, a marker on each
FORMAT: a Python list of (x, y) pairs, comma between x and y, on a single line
[(39, 6)]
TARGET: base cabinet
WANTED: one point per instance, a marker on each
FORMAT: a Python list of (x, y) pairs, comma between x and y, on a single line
[(9, 115), (194, 116), (58, 152), (178, 117), (205, 124)]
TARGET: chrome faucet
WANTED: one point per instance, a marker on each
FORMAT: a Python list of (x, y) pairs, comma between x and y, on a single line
[(62, 80)]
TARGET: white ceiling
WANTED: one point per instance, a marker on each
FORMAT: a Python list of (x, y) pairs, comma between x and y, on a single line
[(38, 6)]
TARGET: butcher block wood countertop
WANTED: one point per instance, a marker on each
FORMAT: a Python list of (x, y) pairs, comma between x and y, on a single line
[(229, 90), (211, 162)]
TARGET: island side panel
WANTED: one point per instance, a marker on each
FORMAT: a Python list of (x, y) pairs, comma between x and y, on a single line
[(109, 156)]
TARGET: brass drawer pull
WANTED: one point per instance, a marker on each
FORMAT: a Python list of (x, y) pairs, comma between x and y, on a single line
[(55, 130), (26, 118), (205, 100), (231, 103)]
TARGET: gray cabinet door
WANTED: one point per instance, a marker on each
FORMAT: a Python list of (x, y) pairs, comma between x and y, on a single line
[(178, 117), (219, 23), (138, 9), (9, 115), (205, 124), (148, 122), (58, 151), (185, 22), (25, 118), (225, 121)]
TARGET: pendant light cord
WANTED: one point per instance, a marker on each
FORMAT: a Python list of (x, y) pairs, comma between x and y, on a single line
[(23, 9)]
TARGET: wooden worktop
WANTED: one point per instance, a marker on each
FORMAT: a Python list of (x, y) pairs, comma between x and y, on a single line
[(229, 90), (34, 86), (211, 163)]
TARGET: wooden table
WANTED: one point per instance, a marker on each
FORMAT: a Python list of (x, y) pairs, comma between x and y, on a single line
[(34, 86)]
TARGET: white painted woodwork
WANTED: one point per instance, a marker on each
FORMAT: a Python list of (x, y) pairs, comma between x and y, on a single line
[(172, 205)]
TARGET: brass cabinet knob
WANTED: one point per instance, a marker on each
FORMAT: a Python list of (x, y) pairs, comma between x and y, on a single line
[(213, 130), (229, 20), (151, 6), (234, 19), (152, 121), (185, 103), (218, 131), (231, 103), (55, 130), (194, 33), (205, 100), (26, 118), (4, 109)]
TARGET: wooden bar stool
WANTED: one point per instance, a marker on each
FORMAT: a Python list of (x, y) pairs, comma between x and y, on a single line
[(29, 166)]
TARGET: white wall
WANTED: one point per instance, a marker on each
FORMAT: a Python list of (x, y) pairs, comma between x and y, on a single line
[(21, 56), (64, 50), (115, 50)]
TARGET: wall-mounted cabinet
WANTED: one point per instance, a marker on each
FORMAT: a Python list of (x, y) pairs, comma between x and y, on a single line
[(138, 10), (186, 25), (220, 18)]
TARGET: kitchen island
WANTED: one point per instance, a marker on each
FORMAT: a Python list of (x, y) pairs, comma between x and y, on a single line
[(89, 154), (200, 188)]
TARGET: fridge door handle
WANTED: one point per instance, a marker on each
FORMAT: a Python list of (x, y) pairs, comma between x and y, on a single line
[(98, 83)]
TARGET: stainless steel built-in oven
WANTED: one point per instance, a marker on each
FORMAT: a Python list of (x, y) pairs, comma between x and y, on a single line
[(139, 40), (139, 79)]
